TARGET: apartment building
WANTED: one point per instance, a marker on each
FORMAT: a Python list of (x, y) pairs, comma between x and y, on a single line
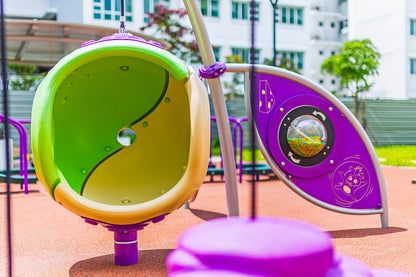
[(392, 28), (307, 31)]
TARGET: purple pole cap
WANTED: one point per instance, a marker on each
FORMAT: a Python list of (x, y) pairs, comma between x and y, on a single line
[(213, 71)]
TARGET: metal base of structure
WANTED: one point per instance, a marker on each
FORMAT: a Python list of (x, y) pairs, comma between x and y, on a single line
[(125, 248), (125, 239)]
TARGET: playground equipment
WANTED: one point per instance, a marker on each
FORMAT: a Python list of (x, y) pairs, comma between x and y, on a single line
[(124, 86), (263, 246), (237, 136), (313, 143), (238, 140), (20, 176), (121, 84)]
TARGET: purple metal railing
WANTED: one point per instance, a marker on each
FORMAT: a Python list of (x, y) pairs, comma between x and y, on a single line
[(238, 136), (23, 148)]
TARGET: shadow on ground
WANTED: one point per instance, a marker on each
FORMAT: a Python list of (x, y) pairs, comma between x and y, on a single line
[(206, 215), (151, 263), (361, 233)]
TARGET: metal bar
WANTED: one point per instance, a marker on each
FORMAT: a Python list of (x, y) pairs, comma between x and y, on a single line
[(208, 58), (45, 39), (6, 137), (24, 44)]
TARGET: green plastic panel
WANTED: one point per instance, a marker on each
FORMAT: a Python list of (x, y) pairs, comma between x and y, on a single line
[(94, 103), (87, 98), (154, 163)]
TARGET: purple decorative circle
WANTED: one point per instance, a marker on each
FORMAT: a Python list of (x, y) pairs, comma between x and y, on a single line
[(288, 164), (351, 182)]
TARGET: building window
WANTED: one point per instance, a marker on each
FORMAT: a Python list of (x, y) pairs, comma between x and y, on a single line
[(295, 57), (299, 61), (283, 15), (290, 15), (210, 8), (244, 53), (217, 51), (413, 66), (413, 27), (321, 52), (300, 16), (241, 10), (149, 6), (110, 10)]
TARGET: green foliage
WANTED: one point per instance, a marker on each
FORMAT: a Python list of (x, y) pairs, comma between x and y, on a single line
[(237, 77), (247, 155), (284, 63), (357, 61), (26, 79), (356, 64), (170, 26), (397, 155)]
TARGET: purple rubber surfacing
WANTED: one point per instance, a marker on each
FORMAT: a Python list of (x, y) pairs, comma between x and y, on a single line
[(325, 180)]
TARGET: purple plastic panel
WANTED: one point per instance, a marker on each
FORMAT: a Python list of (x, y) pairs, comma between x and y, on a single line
[(342, 174)]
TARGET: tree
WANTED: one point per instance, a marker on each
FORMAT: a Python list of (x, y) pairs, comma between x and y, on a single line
[(356, 64), (284, 63), (25, 78), (169, 25), (237, 77)]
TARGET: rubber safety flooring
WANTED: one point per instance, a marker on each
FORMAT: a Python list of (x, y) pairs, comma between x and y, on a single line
[(48, 240)]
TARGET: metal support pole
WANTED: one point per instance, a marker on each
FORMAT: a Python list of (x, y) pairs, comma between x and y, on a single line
[(274, 5), (208, 58)]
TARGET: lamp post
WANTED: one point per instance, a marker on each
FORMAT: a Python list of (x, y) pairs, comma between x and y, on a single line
[(274, 5)]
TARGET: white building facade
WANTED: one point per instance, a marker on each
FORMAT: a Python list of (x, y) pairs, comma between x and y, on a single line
[(308, 31), (392, 29)]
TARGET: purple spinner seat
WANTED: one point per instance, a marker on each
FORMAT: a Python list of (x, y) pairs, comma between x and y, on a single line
[(264, 246)]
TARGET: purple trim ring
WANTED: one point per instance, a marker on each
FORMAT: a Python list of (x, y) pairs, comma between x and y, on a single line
[(125, 36), (213, 71)]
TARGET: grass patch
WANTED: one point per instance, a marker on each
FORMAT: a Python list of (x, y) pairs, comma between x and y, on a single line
[(397, 155)]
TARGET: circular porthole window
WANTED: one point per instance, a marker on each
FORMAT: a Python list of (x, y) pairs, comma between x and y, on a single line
[(306, 136), (126, 137)]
